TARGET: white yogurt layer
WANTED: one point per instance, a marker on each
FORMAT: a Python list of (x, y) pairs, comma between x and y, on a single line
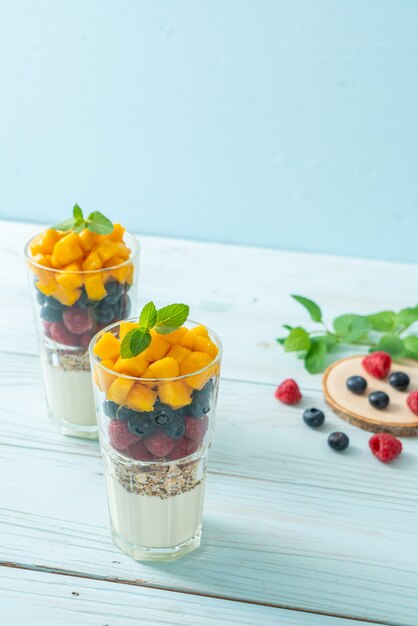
[(69, 395), (154, 522)]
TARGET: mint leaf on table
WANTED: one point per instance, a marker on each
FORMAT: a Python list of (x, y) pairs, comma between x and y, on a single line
[(134, 342), (171, 317), (384, 321), (408, 316), (148, 317), (315, 359), (99, 223), (393, 345), (351, 327), (297, 339), (311, 306), (411, 346)]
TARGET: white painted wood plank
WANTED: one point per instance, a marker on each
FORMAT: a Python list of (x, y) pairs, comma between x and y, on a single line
[(286, 545), (48, 599), (241, 292)]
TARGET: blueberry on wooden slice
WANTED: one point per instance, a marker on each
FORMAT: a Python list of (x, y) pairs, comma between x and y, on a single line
[(50, 314), (313, 417), (379, 399), (338, 441), (399, 380), (357, 384)]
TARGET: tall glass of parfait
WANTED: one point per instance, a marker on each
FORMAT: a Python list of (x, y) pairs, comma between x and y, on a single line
[(156, 415), (79, 283)]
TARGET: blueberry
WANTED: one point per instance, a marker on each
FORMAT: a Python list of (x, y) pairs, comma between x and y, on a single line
[(124, 413), (399, 380), (338, 441), (125, 306), (176, 428), (201, 400), (110, 408), (162, 414), (140, 424), (40, 297), (313, 417), (49, 314), (356, 384), (379, 399), (84, 302), (104, 314), (114, 292), (54, 303)]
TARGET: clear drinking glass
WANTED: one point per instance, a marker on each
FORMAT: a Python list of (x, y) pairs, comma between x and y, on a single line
[(70, 307), (155, 490)]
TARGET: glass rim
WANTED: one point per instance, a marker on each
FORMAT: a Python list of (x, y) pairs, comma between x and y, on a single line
[(132, 257), (95, 361)]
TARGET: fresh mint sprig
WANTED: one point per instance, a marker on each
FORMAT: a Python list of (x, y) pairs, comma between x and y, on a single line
[(163, 321), (377, 331), (96, 222)]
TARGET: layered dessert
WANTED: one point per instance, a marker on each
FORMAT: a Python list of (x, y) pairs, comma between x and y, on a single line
[(156, 412), (82, 273)]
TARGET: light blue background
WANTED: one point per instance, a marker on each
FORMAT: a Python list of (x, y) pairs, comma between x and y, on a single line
[(289, 123)]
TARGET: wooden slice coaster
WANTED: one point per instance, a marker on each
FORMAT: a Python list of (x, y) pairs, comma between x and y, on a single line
[(397, 418)]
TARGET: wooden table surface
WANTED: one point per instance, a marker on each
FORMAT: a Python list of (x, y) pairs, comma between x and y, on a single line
[(294, 533)]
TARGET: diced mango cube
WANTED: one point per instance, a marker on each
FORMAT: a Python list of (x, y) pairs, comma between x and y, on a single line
[(92, 262), (106, 249), (178, 353), (114, 261), (135, 366), (70, 278), (119, 390), (193, 363), (107, 347), (175, 393), (157, 349), (200, 331), (88, 239), (141, 398), (68, 249), (46, 288), (203, 344), (116, 234), (94, 287), (125, 327), (49, 239), (164, 368), (187, 341), (176, 335), (35, 245), (42, 259), (104, 378), (68, 297)]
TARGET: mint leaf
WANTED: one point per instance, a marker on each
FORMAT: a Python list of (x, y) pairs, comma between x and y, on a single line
[(351, 327), (134, 342), (98, 223), (281, 340), (287, 326), (384, 321), (298, 339), (65, 225), (411, 346), (329, 340), (171, 317), (315, 359), (311, 306), (78, 213), (148, 317), (408, 316), (392, 344)]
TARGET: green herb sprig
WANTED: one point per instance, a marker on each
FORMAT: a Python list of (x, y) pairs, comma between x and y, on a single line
[(163, 321), (378, 331), (96, 222)]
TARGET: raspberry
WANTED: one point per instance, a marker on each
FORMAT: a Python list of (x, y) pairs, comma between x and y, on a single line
[(412, 402), (61, 334), (78, 321), (288, 392), (139, 452), (159, 444), (85, 339), (183, 447), (119, 435), (196, 428), (47, 328), (385, 446), (377, 364)]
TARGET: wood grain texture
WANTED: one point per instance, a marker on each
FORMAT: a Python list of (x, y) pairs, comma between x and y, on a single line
[(288, 522)]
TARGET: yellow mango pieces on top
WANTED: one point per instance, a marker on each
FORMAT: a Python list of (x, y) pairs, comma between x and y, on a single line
[(204, 344), (119, 390), (94, 286), (135, 366), (176, 335), (187, 341), (141, 398), (158, 347), (125, 327), (88, 239), (69, 278), (66, 250), (164, 368), (102, 378), (199, 331), (178, 353), (193, 363), (116, 234), (92, 262), (107, 347), (175, 393)]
